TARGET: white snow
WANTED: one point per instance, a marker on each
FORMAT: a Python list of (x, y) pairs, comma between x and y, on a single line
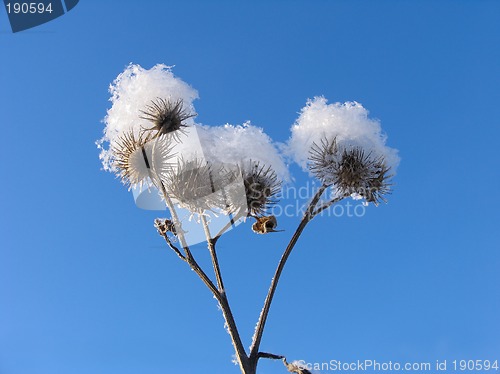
[(136, 87), (131, 92), (241, 143), (347, 122)]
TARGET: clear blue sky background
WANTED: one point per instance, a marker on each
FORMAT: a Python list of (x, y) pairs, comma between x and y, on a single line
[(86, 284)]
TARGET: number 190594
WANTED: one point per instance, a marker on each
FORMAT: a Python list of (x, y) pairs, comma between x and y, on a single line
[(28, 8), (475, 365)]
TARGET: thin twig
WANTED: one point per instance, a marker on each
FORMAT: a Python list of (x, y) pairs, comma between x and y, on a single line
[(213, 253), (173, 247), (270, 356), (223, 302), (254, 349)]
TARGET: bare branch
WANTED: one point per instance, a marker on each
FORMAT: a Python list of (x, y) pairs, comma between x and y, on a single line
[(213, 254), (223, 301), (173, 247), (270, 356)]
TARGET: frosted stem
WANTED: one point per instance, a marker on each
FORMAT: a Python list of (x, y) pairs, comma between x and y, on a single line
[(308, 216)]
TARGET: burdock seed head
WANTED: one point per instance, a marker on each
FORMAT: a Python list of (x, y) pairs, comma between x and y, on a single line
[(197, 185), (261, 187), (137, 157), (322, 158), (167, 117), (350, 170), (131, 156)]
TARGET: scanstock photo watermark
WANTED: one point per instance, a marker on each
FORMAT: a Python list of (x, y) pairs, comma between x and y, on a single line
[(294, 202), (25, 15), (371, 365)]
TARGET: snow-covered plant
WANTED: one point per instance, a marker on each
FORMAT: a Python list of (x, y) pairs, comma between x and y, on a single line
[(151, 141)]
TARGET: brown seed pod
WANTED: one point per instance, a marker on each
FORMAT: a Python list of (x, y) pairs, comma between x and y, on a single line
[(265, 225), (164, 225)]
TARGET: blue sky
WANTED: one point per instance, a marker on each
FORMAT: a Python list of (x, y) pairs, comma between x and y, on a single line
[(86, 284)]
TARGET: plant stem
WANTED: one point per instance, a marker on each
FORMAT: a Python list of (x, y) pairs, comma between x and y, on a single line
[(308, 216), (213, 254), (218, 291), (224, 303)]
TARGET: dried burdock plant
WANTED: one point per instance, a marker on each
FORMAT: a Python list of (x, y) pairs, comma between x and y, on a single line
[(261, 187), (200, 186), (350, 160), (167, 117), (351, 170)]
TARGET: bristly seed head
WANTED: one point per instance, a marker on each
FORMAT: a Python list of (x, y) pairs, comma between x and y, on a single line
[(129, 153), (198, 185), (261, 187), (350, 170), (138, 157), (167, 117)]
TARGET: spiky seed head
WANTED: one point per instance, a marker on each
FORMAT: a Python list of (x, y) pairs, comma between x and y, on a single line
[(322, 158), (378, 186), (261, 187), (131, 155), (350, 170), (167, 117), (137, 157), (196, 185)]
